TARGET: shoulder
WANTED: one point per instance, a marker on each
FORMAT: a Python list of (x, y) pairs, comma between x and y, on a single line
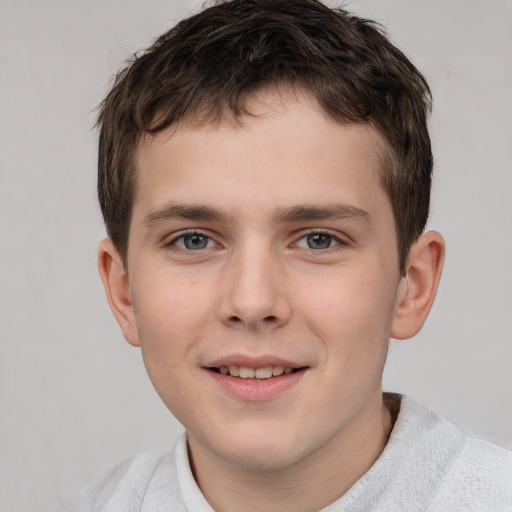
[(430, 465), (479, 479), (143, 482), (469, 474)]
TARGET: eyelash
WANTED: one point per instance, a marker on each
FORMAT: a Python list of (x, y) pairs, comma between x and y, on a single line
[(173, 243), (339, 241)]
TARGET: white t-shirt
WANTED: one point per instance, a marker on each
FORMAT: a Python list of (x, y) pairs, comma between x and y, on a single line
[(428, 465)]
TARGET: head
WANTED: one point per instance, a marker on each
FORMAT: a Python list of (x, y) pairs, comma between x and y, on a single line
[(207, 68), (264, 175)]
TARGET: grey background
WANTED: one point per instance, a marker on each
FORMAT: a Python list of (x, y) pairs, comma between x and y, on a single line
[(74, 396)]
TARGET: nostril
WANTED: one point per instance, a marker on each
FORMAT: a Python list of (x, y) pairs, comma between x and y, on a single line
[(268, 319), (254, 321)]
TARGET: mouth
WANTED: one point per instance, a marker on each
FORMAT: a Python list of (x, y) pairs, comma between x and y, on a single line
[(247, 373), (255, 379)]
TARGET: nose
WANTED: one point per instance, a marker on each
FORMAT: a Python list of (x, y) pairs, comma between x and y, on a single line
[(253, 291)]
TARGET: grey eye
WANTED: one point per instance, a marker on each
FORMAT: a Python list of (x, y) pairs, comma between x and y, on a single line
[(195, 242), (319, 241)]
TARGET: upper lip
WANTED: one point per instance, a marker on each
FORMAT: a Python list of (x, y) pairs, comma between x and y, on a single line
[(248, 361)]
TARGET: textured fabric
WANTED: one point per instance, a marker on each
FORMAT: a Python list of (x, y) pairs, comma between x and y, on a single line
[(146, 483), (428, 465)]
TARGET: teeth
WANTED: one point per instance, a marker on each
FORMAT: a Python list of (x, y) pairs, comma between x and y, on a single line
[(263, 373), (244, 372)]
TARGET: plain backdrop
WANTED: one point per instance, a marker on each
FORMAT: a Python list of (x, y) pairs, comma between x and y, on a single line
[(74, 396)]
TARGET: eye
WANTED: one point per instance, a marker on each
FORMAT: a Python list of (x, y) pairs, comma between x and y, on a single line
[(317, 241), (193, 242)]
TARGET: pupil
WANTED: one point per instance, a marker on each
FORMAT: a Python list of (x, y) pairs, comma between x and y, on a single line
[(319, 241), (195, 242)]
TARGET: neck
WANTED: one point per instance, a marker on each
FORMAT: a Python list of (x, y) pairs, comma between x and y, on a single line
[(305, 486)]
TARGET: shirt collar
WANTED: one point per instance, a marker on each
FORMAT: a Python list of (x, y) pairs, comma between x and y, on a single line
[(192, 495)]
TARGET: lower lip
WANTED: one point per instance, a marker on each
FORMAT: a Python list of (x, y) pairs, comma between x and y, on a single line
[(257, 390)]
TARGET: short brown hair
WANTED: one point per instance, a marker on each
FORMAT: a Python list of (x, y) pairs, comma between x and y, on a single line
[(208, 64)]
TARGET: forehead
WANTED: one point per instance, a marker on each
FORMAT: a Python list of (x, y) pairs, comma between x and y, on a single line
[(283, 150)]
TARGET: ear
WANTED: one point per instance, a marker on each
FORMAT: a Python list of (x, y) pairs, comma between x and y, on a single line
[(117, 288), (418, 286)]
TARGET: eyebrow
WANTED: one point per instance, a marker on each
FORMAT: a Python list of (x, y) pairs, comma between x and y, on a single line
[(173, 211), (329, 212), (300, 213)]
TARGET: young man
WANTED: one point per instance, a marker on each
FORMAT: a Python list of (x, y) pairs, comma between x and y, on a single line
[(264, 176)]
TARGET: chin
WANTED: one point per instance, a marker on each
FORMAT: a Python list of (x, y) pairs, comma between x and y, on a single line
[(263, 459), (262, 452)]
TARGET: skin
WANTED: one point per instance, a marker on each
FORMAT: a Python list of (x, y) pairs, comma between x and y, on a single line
[(263, 286)]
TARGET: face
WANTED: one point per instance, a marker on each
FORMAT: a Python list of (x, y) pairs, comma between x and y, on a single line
[(263, 272)]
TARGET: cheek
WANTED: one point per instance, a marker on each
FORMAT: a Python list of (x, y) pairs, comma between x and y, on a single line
[(169, 303), (171, 315), (352, 314), (170, 328)]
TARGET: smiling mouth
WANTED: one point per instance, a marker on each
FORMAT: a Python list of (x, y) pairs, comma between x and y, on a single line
[(264, 373)]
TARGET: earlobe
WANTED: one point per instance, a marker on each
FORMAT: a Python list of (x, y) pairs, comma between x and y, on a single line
[(418, 286), (117, 289)]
